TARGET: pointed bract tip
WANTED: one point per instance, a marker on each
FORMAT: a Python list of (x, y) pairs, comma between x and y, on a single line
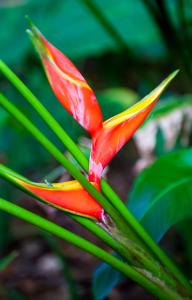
[(172, 75), (33, 28), (36, 37), (34, 31), (161, 87)]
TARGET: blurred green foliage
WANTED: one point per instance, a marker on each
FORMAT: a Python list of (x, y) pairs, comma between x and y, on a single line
[(76, 25)]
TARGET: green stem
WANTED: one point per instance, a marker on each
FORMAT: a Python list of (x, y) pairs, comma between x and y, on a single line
[(161, 293), (81, 159)]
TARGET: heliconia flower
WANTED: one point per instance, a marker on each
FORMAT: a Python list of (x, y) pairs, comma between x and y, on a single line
[(79, 100), (69, 196), (68, 84), (117, 130)]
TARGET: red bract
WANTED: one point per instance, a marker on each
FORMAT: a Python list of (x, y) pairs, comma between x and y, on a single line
[(78, 98), (119, 129), (69, 196), (68, 84)]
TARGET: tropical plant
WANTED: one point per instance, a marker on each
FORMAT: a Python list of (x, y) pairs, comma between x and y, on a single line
[(89, 199)]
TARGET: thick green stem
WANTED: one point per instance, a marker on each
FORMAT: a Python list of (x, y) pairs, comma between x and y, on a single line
[(81, 159), (163, 293)]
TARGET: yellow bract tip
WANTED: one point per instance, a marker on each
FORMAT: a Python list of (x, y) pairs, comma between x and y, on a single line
[(142, 104)]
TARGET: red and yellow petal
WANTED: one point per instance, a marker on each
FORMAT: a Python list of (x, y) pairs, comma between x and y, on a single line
[(70, 196), (119, 129), (68, 84)]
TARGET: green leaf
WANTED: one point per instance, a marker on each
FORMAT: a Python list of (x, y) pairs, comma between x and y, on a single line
[(78, 25), (162, 194), (105, 279)]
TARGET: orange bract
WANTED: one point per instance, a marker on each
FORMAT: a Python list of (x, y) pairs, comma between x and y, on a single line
[(79, 100), (69, 196), (119, 129), (68, 84)]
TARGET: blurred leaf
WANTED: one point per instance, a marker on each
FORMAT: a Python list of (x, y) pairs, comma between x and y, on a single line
[(105, 278), (78, 25), (114, 100), (4, 262), (161, 195)]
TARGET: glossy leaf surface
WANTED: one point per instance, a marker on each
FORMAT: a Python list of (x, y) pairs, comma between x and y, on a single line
[(162, 194)]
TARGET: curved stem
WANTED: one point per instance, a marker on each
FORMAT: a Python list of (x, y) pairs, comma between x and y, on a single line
[(162, 293)]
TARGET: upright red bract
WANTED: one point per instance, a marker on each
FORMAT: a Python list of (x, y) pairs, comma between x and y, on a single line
[(116, 131), (68, 84)]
